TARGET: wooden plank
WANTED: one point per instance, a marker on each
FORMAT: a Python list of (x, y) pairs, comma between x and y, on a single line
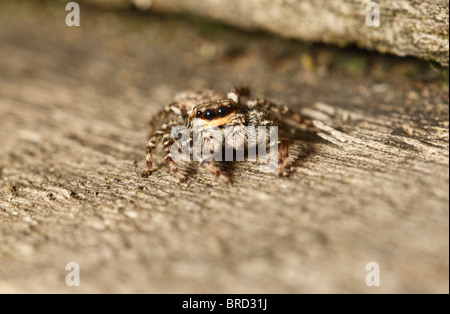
[(74, 103), (406, 27)]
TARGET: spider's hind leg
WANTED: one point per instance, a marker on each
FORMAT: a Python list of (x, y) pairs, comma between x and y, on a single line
[(173, 109), (279, 110), (165, 134), (237, 93)]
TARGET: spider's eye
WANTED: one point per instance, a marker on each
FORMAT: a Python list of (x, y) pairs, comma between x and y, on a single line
[(210, 114), (230, 107), (199, 114), (222, 112)]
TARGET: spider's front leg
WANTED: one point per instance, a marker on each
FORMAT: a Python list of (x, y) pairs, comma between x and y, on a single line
[(262, 116), (151, 145), (167, 140)]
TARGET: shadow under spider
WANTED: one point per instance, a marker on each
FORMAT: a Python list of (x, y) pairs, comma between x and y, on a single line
[(302, 147), (304, 143)]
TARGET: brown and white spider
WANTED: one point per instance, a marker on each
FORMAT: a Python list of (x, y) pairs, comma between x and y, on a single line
[(209, 109)]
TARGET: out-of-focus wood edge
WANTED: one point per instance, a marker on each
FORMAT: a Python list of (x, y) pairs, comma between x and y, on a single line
[(407, 27)]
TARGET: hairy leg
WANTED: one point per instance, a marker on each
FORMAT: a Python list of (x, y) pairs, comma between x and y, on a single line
[(283, 155), (168, 141), (279, 110), (204, 151), (208, 165), (164, 135), (151, 145), (261, 115), (282, 146), (237, 92), (174, 110)]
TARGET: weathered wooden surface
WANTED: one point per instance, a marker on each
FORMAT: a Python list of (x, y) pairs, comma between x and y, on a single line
[(73, 110), (407, 27)]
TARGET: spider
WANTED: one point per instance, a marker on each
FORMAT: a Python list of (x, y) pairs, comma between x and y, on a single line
[(202, 110)]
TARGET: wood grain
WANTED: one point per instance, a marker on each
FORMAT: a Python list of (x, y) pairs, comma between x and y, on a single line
[(74, 103), (407, 27)]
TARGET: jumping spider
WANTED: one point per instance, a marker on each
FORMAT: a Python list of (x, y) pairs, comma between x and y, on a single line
[(209, 108)]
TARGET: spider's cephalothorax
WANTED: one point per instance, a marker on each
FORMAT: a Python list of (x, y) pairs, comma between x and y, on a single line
[(229, 114)]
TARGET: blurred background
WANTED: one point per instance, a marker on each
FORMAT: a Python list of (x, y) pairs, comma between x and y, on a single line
[(74, 107)]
